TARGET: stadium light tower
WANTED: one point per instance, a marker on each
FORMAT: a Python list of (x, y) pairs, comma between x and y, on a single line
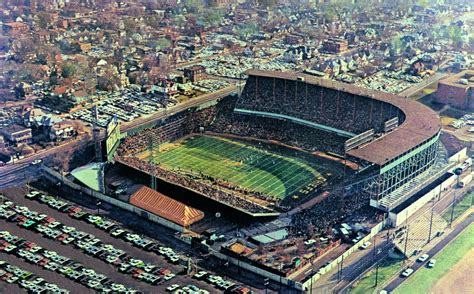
[(95, 133)]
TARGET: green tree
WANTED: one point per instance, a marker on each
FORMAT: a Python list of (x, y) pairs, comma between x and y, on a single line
[(455, 34), (267, 3), (397, 43), (213, 17), (68, 70), (247, 29), (163, 43), (194, 6)]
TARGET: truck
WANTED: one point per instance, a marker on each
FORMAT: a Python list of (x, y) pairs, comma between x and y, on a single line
[(464, 181)]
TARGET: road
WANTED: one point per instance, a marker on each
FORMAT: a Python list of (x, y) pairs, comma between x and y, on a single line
[(437, 248), (412, 90)]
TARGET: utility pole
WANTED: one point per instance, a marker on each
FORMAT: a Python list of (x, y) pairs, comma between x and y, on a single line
[(452, 210), (406, 242), (377, 273), (431, 224)]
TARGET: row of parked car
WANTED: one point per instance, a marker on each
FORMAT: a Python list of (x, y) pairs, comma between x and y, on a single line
[(219, 282), (106, 225), (88, 243), (408, 271), (27, 280), (52, 261), (142, 242)]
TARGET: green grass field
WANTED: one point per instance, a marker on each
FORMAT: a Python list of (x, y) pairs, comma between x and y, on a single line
[(240, 163), (424, 279), (459, 207), (387, 269)]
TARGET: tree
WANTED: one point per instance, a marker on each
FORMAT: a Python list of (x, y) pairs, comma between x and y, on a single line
[(397, 43), (68, 70), (163, 43), (194, 6), (19, 92), (267, 3), (455, 34), (247, 29), (213, 17)]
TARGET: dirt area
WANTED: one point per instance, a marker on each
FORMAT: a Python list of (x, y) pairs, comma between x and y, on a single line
[(459, 278), (462, 134)]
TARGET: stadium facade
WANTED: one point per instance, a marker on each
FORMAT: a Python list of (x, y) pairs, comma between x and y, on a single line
[(393, 139)]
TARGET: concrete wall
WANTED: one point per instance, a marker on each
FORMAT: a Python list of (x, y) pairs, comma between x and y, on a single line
[(459, 156), (396, 219), (124, 205)]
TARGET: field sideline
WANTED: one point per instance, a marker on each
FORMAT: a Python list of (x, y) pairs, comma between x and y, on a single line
[(425, 279), (244, 164)]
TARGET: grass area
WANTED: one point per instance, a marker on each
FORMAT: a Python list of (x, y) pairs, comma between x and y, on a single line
[(459, 207), (386, 270), (424, 279), (248, 165)]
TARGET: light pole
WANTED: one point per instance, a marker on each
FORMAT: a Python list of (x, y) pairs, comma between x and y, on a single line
[(452, 210), (406, 242), (431, 224), (266, 283), (98, 203)]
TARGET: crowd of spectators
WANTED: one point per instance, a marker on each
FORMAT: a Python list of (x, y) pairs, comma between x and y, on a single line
[(333, 210), (205, 187), (292, 134), (330, 107)]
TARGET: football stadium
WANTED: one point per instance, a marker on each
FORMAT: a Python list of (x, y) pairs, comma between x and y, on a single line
[(289, 138)]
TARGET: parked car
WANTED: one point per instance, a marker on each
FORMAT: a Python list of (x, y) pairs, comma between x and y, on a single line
[(365, 245), (407, 272), (432, 263), (423, 258)]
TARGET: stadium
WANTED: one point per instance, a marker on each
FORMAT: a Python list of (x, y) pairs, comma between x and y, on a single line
[(290, 138)]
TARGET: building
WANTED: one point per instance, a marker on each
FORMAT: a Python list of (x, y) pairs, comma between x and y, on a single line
[(15, 28), (61, 131), (457, 90), (335, 45), (17, 134), (392, 139), (195, 73)]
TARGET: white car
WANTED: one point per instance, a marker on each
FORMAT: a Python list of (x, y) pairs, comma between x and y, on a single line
[(365, 245), (423, 258), (407, 272), (172, 288), (432, 263), (37, 161)]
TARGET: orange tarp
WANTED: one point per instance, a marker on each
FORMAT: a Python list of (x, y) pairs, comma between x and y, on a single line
[(165, 207)]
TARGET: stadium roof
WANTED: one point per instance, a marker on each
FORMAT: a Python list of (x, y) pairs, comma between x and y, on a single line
[(165, 207), (421, 123)]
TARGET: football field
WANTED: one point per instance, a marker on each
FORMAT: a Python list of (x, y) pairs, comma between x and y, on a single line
[(245, 164)]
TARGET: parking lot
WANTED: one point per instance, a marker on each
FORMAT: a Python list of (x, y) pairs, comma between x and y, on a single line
[(118, 256), (126, 105)]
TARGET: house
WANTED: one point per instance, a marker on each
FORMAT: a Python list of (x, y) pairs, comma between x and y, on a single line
[(61, 131), (17, 134), (15, 28), (335, 45), (195, 73)]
